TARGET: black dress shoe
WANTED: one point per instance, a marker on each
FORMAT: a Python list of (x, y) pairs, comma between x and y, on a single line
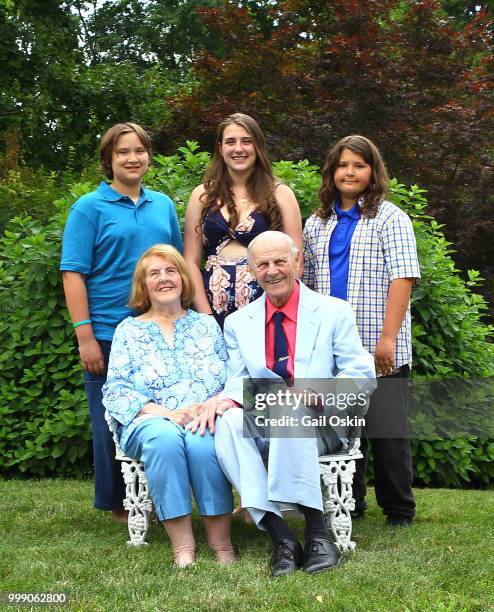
[(320, 554), (287, 557), (357, 515), (399, 521)]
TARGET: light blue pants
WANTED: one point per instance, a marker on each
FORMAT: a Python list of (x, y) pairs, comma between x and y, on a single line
[(292, 475), (174, 461)]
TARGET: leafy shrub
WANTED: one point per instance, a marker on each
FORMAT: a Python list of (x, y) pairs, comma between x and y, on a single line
[(33, 192), (449, 338), (44, 426), (449, 341), (27, 193), (177, 175), (43, 411)]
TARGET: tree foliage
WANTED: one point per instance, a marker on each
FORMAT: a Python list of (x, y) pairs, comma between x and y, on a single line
[(44, 427), (395, 71), (38, 47), (414, 75), (463, 11), (72, 69), (402, 73), (164, 32)]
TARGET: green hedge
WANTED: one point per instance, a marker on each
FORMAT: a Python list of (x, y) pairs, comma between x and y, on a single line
[(44, 427)]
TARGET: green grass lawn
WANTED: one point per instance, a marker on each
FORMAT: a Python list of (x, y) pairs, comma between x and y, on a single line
[(52, 541)]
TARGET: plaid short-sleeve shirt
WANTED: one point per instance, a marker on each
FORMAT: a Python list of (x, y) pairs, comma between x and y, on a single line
[(382, 250)]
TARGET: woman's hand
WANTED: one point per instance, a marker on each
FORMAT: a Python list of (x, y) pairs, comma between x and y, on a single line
[(185, 415), (182, 416)]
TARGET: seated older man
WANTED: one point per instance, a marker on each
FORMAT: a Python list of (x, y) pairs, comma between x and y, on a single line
[(289, 332)]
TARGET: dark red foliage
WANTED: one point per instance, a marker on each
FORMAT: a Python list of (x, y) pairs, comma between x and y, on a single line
[(397, 72)]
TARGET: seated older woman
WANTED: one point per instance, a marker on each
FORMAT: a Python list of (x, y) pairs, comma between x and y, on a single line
[(165, 366)]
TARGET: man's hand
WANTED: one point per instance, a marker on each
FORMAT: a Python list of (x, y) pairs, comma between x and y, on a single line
[(206, 419), (92, 356), (385, 356), (222, 406)]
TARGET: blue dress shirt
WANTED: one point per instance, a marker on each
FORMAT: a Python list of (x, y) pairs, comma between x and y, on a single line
[(339, 248)]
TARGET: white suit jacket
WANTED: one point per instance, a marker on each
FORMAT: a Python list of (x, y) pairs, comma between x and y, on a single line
[(327, 343)]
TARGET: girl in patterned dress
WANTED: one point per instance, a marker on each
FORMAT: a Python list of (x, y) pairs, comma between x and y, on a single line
[(238, 199)]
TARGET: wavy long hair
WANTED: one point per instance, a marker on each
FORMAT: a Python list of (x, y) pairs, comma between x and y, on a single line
[(260, 186), (377, 189)]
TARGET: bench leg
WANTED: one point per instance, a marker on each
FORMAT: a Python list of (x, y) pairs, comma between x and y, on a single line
[(337, 481), (137, 501)]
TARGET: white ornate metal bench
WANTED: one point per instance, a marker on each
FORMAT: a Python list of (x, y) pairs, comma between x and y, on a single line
[(337, 491), (336, 482)]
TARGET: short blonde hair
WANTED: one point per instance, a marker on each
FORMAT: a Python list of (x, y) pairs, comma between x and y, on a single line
[(139, 298), (110, 139)]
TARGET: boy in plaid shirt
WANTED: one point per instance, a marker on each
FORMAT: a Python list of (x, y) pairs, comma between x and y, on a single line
[(361, 248)]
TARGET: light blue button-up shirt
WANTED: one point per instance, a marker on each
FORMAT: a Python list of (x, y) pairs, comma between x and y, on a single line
[(144, 368)]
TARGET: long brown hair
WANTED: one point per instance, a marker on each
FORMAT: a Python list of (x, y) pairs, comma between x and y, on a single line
[(260, 184), (378, 185)]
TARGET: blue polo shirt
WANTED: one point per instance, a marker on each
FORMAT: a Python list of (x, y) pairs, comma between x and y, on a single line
[(104, 236), (339, 248)]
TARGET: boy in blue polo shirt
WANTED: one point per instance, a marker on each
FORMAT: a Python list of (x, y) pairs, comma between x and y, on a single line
[(106, 233)]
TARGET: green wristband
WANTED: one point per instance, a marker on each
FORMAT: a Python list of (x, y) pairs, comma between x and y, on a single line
[(85, 322)]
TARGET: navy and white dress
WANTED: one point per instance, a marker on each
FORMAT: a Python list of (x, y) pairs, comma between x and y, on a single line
[(228, 282)]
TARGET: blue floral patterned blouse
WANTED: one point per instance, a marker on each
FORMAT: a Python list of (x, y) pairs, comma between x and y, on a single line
[(144, 368)]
